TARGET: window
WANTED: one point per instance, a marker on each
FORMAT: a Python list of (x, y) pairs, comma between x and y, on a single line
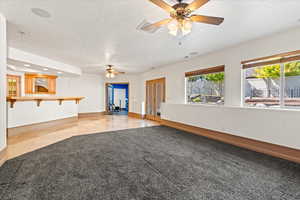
[(274, 82), (262, 86), (292, 84), (13, 86), (205, 86), (40, 84)]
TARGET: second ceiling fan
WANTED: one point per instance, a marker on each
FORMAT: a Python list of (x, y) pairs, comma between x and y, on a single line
[(111, 72), (181, 18)]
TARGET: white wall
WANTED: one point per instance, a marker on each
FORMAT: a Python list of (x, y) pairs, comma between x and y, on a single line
[(19, 55), (231, 57), (268, 125), (47, 111), (89, 86), (3, 56), (271, 126)]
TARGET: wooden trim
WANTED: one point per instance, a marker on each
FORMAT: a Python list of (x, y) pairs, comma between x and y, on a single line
[(38, 100), (153, 118), (150, 94), (290, 59), (13, 76), (18, 79), (106, 97), (291, 53), (135, 115), (156, 80), (216, 69), (41, 76), (272, 62), (37, 127), (3, 156), (30, 83), (91, 114), (254, 145)]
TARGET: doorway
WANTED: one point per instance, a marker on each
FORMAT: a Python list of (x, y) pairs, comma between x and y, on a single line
[(155, 95), (117, 98)]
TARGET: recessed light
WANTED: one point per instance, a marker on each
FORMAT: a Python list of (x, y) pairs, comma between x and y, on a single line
[(40, 12), (59, 72), (26, 65), (45, 69), (12, 67)]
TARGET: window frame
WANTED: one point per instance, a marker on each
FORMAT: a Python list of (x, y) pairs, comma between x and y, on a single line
[(280, 59), (30, 83), (204, 71)]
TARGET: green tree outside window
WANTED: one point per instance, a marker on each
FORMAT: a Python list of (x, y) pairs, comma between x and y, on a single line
[(269, 72)]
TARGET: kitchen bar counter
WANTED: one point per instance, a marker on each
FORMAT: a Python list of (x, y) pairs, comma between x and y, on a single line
[(29, 110), (39, 99)]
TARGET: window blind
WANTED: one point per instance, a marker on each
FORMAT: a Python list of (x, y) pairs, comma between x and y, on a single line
[(271, 60), (216, 69)]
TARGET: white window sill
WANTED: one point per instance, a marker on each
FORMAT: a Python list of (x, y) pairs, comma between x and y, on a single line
[(238, 107)]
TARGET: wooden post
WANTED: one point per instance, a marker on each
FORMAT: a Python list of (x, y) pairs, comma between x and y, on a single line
[(38, 101)]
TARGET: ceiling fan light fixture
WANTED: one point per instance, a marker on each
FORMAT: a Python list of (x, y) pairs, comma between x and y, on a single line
[(185, 32), (173, 27), (173, 32), (110, 75), (181, 19), (186, 27), (187, 24)]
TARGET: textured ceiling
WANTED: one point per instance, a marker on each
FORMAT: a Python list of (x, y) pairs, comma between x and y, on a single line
[(88, 32)]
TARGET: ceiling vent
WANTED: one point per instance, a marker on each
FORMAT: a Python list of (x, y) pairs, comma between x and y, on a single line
[(143, 24), (40, 12)]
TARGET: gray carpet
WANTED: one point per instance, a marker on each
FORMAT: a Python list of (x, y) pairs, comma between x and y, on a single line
[(147, 163)]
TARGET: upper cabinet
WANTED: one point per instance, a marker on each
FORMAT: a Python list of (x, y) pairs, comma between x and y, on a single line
[(40, 84), (13, 86)]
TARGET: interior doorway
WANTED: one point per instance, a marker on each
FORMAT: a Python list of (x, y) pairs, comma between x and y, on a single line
[(155, 95), (117, 98)]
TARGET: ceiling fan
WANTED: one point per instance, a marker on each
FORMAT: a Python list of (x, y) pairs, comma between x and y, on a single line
[(111, 73), (181, 18)]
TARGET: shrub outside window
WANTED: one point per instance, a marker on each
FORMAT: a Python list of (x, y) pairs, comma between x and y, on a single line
[(205, 86), (273, 85), (262, 86), (292, 84)]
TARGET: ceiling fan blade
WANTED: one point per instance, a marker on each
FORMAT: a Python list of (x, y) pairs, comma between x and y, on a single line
[(163, 5), (207, 19), (157, 24), (196, 4), (117, 72)]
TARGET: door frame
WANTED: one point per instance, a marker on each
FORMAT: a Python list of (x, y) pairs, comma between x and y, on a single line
[(154, 117), (106, 94)]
